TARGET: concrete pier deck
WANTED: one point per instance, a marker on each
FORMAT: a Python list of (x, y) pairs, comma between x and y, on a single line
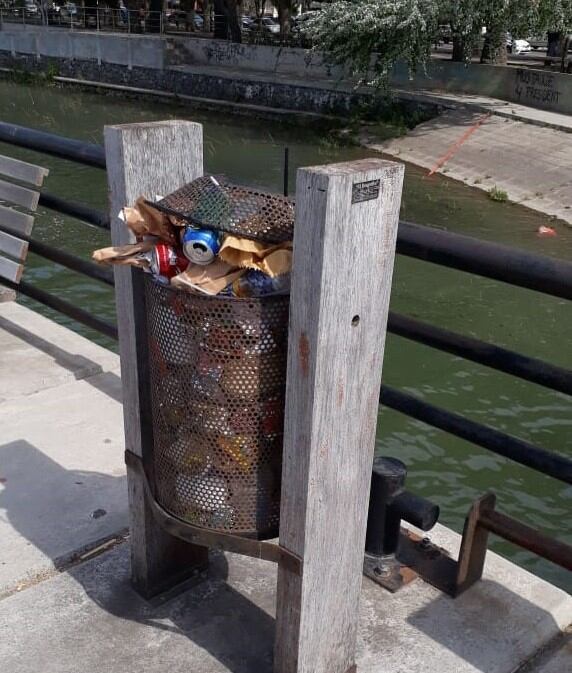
[(66, 605)]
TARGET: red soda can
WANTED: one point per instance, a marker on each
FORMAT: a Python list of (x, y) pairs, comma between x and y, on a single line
[(167, 261)]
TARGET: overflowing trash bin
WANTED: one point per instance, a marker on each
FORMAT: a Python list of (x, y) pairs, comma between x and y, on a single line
[(217, 259)]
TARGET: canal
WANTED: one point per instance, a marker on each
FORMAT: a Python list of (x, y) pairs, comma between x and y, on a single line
[(443, 468)]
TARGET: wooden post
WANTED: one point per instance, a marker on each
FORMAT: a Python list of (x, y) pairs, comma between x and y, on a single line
[(344, 246), (149, 159)]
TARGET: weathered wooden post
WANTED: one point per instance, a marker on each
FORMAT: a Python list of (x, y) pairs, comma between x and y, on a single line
[(344, 246), (149, 159)]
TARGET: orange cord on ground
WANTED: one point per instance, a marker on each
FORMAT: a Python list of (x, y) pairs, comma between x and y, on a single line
[(458, 144)]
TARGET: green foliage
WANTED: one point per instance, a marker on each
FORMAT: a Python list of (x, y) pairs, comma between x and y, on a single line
[(369, 36), (497, 194), (555, 15)]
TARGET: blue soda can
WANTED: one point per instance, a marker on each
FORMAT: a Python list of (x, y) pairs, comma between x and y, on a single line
[(200, 246)]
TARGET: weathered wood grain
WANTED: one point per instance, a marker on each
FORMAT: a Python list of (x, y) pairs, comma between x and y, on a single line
[(21, 196), (10, 270), (13, 246), (146, 159), (21, 170), (341, 282), (16, 222)]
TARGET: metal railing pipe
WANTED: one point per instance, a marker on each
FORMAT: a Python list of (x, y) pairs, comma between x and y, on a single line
[(81, 152), (489, 355), (526, 537), (483, 258), (62, 306), (90, 215), (68, 260), (496, 441)]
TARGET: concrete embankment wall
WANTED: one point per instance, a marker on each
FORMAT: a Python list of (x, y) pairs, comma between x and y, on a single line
[(536, 88), (142, 51)]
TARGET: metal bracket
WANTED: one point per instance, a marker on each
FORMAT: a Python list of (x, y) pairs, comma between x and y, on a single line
[(266, 551), (418, 557)]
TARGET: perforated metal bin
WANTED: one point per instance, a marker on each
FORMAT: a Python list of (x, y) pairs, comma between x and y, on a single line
[(218, 372)]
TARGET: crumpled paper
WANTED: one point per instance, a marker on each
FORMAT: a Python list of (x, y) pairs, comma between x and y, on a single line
[(129, 254), (210, 279), (144, 220), (273, 260)]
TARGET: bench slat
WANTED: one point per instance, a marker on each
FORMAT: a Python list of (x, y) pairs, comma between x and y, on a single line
[(21, 196), (16, 222), (13, 247), (21, 170), (10, 270)]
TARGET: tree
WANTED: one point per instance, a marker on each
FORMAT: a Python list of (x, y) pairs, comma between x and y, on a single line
[(286, 8), (226, 21), (555, 17), (465, 22), (369, 36)]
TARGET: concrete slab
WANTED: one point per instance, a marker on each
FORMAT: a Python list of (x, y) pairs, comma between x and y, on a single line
[(90, 620), (47, 353), (497, 154), (556, 658), (496, 106), (62, 484), (559, 661)]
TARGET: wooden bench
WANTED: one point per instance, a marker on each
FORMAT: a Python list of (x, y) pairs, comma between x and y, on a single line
[(15, 225)]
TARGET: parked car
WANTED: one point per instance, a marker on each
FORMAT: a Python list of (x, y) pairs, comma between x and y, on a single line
[(264, 25), (178, 17), (246, 22), (517, 45)]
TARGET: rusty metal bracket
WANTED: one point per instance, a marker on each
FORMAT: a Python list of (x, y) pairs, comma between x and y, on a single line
[(418, 557), (266, 551)]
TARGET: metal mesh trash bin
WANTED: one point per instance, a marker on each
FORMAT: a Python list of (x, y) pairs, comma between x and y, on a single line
[(218, 376)]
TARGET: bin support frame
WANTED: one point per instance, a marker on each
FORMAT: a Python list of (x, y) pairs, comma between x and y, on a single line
[(344, 248)]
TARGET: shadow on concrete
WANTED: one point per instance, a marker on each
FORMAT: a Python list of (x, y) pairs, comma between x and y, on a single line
[(215, 617), (81, 367), (61, 512), (53, 508), (489, 626)]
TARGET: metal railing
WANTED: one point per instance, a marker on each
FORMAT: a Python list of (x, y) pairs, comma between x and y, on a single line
[(141, 21), (490, 260)]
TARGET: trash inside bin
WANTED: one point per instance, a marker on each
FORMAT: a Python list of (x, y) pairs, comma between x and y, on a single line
[(218, 372), (217, 258)]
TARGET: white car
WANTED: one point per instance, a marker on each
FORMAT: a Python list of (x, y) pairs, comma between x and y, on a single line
[(520, 46)]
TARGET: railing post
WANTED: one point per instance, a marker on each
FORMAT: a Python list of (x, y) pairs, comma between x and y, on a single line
[(149, 158), (344, 247)]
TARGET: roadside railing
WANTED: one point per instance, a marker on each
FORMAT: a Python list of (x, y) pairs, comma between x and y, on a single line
[(463, 253), (141, 21)]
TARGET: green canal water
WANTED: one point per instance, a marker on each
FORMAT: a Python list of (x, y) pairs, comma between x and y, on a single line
[(441, 467)]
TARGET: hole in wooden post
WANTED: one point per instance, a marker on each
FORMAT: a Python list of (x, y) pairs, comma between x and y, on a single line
[(355, 321)]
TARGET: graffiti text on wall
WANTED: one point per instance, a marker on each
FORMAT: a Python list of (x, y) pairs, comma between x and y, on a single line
[(533, 85)]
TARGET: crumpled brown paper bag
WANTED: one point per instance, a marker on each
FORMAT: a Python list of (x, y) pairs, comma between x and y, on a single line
[(124, 254), (144, 220), (273, 260), (210, 279)]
